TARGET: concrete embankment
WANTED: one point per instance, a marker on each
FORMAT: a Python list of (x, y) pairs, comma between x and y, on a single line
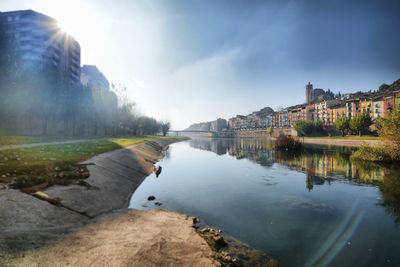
[(29, 222)]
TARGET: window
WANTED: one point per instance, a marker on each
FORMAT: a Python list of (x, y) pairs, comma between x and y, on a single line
[(9, 18)]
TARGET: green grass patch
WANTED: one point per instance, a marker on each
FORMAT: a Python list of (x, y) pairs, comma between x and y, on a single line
[(6, 140), (56, 164)]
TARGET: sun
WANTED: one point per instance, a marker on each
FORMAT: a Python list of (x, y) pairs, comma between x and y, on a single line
[(73, 17)]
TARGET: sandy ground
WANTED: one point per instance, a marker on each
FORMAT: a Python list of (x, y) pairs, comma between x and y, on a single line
[(128, 238)]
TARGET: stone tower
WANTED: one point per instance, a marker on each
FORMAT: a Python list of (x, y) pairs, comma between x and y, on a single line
[(309, 92)]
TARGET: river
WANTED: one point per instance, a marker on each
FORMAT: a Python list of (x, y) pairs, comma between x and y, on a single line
[(313, 208)]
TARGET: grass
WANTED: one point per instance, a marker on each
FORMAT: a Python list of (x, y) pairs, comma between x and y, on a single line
[(6, 140), (56, 164)]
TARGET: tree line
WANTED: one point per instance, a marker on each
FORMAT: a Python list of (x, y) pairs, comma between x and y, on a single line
[(359, 125)]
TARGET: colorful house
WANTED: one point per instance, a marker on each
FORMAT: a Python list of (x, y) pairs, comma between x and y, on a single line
[(366, 106), (352, 107), (378, 110), (335, 112), (388, 104)]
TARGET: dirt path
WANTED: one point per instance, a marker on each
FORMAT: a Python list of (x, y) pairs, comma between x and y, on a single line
[(341, 142), (130, 238)]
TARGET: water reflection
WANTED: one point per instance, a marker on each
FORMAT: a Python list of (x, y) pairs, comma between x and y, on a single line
[(321, 164)]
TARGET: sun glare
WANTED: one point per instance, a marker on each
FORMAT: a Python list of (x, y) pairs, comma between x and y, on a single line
[(73, 17)]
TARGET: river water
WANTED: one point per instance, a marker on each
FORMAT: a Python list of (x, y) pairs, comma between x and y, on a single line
[(314, 208)]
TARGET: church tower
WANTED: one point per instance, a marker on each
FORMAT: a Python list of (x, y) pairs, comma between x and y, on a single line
[(309, 92)]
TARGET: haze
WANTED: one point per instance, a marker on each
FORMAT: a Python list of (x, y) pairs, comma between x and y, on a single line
[(191, 61)]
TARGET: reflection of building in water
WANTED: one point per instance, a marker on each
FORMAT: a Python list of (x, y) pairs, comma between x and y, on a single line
[(218, 146), (320, 166)]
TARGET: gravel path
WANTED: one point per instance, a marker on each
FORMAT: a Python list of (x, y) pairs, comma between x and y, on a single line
[(341, 142)]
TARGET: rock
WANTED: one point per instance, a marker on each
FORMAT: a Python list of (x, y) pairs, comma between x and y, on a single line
[(158, 203), (151, 198), (3, 176), (219, 241), (3, 187), (61, 174), (57, 169)]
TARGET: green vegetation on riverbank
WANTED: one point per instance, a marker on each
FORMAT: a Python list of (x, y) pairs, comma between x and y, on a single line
[(389, 131), (57, 163), (6, 140)]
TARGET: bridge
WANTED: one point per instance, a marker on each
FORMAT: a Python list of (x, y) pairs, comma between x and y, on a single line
[(183, 132)]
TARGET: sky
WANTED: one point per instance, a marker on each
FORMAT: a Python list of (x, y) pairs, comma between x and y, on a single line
[(191, 61)]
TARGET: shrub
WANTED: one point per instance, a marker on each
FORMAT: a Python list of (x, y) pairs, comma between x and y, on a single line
[(309, 128), (370, 153), (287, 143), (389, 130), (270, 131)]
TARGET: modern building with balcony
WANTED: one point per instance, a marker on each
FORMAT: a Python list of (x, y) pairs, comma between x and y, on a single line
[(36, 42)]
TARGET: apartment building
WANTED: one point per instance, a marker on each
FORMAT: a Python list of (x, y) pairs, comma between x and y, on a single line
[(282, 118), (378, 110), (335, 112), (36, 42), (297, 113), (92, 77)]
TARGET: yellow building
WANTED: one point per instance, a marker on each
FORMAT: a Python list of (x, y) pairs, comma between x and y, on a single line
[(366, 106), (325, 111), (336, 112)]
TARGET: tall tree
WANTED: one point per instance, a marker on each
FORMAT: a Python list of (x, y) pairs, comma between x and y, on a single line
[(342, 124), (360, 123), (165, 125)]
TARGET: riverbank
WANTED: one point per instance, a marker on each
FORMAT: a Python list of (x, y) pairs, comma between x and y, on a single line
[(32, 220), (89, 223), (341, 141), (128, 238)]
